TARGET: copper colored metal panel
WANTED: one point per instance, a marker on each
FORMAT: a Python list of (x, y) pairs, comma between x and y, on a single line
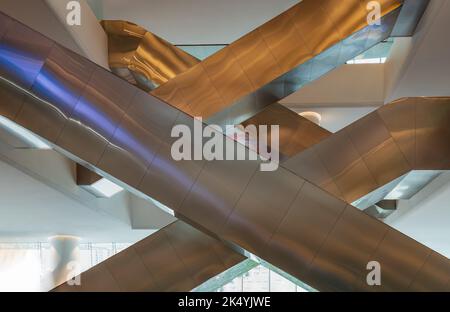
[(337, 153), (143, 58), (255, 58), (284, 41), (5, 23), (168, 271), (433, 275), (56, 91), (308, 31), (198, 91), (296, 133), (346, 16), (372, 140), (400, 258), (195, 250), (129, 271), (227, 76), (216, 192), (433, 133), (368, 133), (386, 163), (399, 118), (176, 258), (11, 99), (312, 23), (261, 208), (98, 279), (228, 256), (355, 182), (170, 93), (303, 230), (308, 165), (341, 262)]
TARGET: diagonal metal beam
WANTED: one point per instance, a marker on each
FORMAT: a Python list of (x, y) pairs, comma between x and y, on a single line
[(277, 58), (146, 60), (176, 258)]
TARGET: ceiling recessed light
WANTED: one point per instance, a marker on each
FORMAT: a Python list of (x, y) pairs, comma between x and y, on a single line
[(312, 116)]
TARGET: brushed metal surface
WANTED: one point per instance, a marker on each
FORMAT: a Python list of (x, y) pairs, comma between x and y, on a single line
[(166, 173), (296, 133), (217, 190), (261, 208), (262, 61), (135, 277), (400, 258), (433, 276), (256, 59), (195, 250), (303, 230), (176, 258), (142, 132), (432, 133), (379, 151), (198, 92), (5, 23), (227, 76), (12, 99), (96, 115), (400, 119), (98, 279), (56, 90), (162, 261), (23, 52), (141, 57), (341, 262), (284, 42)]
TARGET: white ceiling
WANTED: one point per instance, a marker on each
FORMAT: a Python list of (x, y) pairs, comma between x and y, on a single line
[(193, 21), (39, 198)]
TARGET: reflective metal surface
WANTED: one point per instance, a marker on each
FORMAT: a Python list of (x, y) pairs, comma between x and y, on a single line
[(257, 70), (284, 220), (296, 133), (279, 57), (381, 147), (176, 258), (143, 58)]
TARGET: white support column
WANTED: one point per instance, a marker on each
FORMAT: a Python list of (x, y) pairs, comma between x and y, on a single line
[(89, 35), (65, 258)]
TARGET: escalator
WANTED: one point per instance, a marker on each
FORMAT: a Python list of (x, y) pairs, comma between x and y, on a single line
[(107, 122), (176, 258)]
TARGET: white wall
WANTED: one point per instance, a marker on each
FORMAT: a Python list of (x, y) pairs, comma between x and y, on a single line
[(194, 21), (32, 211), (427, 67), (37, 15), (36, 173), (89, 36), (347, 85), (426, 217)]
